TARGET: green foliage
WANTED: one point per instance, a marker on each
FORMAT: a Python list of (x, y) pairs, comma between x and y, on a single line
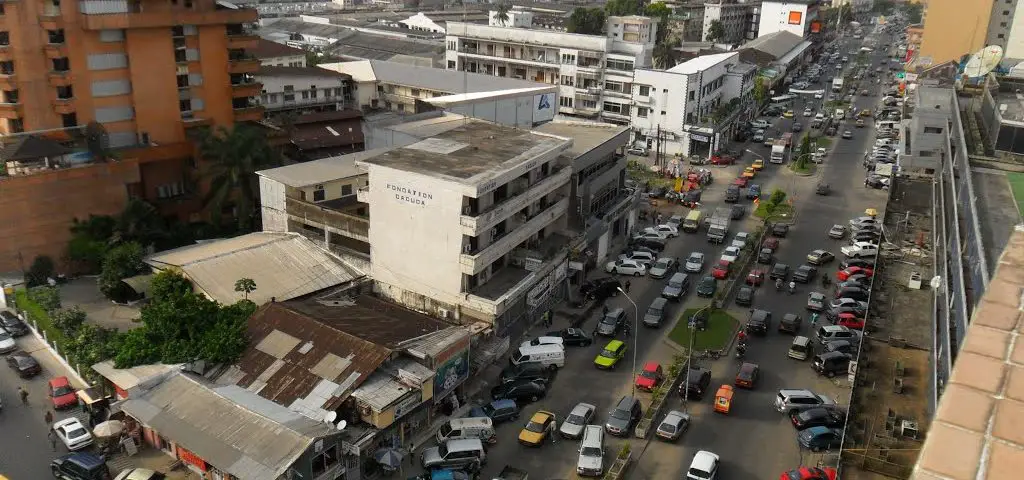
[(233, 157), (121, 262), (47, 297), (68, 320), (38, 314), (245, 286), (665, 55), (586, 21), (168, 286), (913, 11), (716, 31), (90, 239), (624, 7), (42, 269), (760, 89), (89, 345), (777, 197), (660, 12), (501, 13), (182, 326), (833, 15)]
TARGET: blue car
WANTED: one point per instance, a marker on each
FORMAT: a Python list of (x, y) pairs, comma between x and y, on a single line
[(498, 411), (753, 191), (817, 439)]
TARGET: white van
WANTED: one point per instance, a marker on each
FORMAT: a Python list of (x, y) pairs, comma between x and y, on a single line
[(481, 428), (550, 356)]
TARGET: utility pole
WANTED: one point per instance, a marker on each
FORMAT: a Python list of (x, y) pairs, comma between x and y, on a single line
[(657, 147)]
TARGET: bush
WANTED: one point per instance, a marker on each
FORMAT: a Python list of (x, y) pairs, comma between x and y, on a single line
[(777, 197), (47, 297), (68, 320), (41, 270), (121, 262)]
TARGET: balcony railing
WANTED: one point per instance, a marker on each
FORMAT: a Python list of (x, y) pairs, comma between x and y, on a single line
[(120, 14), (328, 219), (302, 102), (243, 65), (474, 263), (539, 59), (474, 225)]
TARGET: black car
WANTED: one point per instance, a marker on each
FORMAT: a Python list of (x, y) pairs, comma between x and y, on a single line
[(817, 417), (865, 236), (759, 322), (691, 198), (707, 287), (12, 323), (695, 383), (531, 371), (804, 274), (765, 256), (779, 272), (80, 466), (841, 346), (573, 337), (797, 126), (856, 262), (856, 293), (651, 243), (822, 189), (600, 288), (738, 212), (732, 194), (23, 363), (780, 230), (522, 391), (790, 323), (745, 297)]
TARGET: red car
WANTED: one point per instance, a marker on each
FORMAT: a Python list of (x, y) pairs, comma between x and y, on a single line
[(740, 182), (721, 270), (851, 321), (771, 243), (61, 394), (842, 275), (810, 473), (650, 377), (722, 159), (755, 278)]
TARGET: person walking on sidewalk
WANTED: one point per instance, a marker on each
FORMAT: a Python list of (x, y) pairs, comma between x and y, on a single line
[(23, 394), (48, 417), (626, 286), (53, 440), (604, 309)]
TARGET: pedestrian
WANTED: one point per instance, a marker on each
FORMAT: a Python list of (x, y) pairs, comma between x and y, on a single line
[(626, 285), (814, 318), (551, 431), (48, 417), (53, 440), (23, 394)]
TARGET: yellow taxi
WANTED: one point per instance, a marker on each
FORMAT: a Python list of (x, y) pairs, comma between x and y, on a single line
[(536, 431), (788, 114), (749, 172), (758, 164)]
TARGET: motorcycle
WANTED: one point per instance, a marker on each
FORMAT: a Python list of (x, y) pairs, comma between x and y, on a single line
[(741, 350), (792, 288), (778, 285)]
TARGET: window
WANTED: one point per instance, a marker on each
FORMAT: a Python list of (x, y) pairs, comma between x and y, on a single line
[(10, 96), (16, 125), (568, 81), (1000, 36), (645, 91), (693, 94), (7, 68), (312, 93), (305, 95), (327, 92), (565, 101), (185, 105), (1002, 24), (641, 112), (318, 193), (935, 130), (69, 120), (415, 92), (5, 38), (451, 64), (346, 190), (61, 64), (624, 65), (65, 93)]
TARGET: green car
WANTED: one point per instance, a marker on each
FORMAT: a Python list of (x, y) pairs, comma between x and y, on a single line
[(610, 356)]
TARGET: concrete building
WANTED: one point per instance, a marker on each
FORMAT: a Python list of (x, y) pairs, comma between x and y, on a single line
[(794, 16), (273, 54), (594, 73), (952, 29), (692, 105), (740, 21), (1006, 28), (776, 54), (303, 89), (149, 73)]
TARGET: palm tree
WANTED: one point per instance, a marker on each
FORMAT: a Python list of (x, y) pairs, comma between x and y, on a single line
[(665, 55), (502, 14), (233, 158)]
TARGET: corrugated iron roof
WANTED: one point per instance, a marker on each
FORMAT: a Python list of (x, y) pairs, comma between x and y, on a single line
[(310, 355), (776, 44), (283, 265), (234, 430)]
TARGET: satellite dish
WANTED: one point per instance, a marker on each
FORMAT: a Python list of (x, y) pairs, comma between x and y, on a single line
[(341, 425), (984, 61), (330, 417), (936, 282)]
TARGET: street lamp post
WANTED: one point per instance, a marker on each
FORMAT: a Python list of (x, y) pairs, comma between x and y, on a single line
[(692, 324), (636, 317)]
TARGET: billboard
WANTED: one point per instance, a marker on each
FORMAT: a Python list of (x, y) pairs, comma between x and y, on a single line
[(543, 107), (795, 17)]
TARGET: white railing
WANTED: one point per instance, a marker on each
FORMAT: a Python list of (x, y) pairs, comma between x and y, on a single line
[(102, 7), (473, 263), (473, 225)]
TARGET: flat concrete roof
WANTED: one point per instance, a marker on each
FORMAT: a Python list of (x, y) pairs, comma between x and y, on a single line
[(460, 148), (315, 172), (585, 136)]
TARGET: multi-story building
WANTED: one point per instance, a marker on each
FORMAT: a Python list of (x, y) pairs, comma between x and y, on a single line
[(303, 89), (692, 105), (1006, 28), (274, 54), (147, 71), (952, 29), (739, 20), (795, 16), (594, 73)]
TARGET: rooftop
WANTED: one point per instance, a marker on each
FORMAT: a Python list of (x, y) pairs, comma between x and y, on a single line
[(1010, 105), (316, 172), (976, 432), (311, 354), (585, 135), (269, 49), (776, 44), (286, 71), (231, 428), (283, 265), (129, 378), (701, 63), (459, 149), (435, 79)]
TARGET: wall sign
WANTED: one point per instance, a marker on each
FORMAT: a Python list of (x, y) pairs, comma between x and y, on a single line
[(450, 374), (795, 17), (409, 195)]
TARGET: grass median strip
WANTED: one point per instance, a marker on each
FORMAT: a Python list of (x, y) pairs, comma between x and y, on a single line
[(1017, 187), (42, 319), (721, 327)]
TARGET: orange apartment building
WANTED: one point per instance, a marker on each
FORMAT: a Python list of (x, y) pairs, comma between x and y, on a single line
[(149, 71)]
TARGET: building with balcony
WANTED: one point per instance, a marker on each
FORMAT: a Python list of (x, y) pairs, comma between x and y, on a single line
[(148, 72), (702, 100), (739, 20), (594, 73), (488, 208), (274, 54), (297, 90), (794, 16)]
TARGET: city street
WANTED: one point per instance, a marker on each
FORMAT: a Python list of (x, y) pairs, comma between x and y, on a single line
[(754, 440)]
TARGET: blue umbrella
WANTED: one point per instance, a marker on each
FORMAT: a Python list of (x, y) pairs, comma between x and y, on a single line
[(389, 457)]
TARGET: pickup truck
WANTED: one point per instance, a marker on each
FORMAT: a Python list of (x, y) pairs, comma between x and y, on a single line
[(718, 225)]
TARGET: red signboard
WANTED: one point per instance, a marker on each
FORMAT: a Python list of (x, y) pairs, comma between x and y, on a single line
[(795, 17), (815, 27), (191, 458)]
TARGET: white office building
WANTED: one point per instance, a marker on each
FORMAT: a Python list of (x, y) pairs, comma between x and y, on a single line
[(694, 105), (739, 20), (795, 16), (594, 73)]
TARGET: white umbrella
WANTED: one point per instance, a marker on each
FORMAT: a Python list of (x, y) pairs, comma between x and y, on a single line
[(110, 428)]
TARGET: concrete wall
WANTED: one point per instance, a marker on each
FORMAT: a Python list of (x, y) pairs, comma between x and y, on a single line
[(953, 28), (329, 88), (668, 92), (272, 205), (776, 17)]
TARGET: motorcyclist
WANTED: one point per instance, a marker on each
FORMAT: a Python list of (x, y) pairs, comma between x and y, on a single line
[(778, 284), (741, 338), (792, 287), (741, 350)]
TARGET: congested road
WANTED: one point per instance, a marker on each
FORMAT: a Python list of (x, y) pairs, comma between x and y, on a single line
[(754, 440)]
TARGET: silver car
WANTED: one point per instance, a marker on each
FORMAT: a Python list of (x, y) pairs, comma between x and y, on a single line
[(578, 418), (694, 263), (663, 267), (673, 425)]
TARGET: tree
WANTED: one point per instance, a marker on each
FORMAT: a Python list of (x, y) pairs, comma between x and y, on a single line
[(586, 21), (913, 11), (661, 12), (665, 55), (89, 242), (168, 286), (716, 31), (47, 297), (121, 262), (501, 15), (234, 156), (760, 89), (41, 270), (140, 222), (97, 142), (245, 286), (805, 151), (68, 320), (777, 197), (624, 7)]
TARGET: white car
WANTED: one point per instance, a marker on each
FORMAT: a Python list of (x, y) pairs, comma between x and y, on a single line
[(7, 344), (860, 249), (543, 341), (664, 229), (740, 240), (578, 418), (645, 258), (808, 112), (818, 95), (627, 267), (74, 435), (651, 234), (760, 124), (694, 263), (703, 467), (731, 254)]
